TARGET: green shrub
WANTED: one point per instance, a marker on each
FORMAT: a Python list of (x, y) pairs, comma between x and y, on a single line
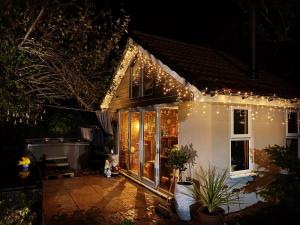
[(16, 212), (177, 159), (286, 184), (278, 180)]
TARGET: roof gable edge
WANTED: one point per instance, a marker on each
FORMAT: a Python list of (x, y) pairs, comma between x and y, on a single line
[(128, 54)]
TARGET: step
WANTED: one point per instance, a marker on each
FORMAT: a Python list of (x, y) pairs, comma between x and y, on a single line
[(59, 175), (57, 164), (56, 158)]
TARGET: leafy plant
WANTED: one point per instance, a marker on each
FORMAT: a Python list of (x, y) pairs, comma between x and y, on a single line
[(177, 159), (278, 177), (213, 192), (191, 155), (16, 212)]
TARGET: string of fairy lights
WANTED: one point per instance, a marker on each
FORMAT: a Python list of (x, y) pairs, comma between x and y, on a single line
[(169, 84), (225, 98), (262, 113), (18, 117), (165, 78)]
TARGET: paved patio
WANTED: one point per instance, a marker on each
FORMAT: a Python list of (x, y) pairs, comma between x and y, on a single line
[(95, 200)]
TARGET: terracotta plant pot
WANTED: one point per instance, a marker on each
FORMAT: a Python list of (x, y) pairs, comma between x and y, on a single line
[(215, 218)]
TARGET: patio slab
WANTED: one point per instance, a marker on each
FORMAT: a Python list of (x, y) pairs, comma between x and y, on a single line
[(95, 200)]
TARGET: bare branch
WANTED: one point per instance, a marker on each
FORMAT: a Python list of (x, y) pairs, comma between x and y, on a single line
[(35, 22)]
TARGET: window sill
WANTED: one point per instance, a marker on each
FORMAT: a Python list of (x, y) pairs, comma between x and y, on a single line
[(242, 174)]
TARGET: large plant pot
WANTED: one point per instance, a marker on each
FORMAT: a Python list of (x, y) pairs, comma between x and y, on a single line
[(184, 198), (206, 218)]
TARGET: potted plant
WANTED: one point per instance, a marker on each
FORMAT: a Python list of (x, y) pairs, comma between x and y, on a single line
[(183, 193), (191, 155), (213, 192)]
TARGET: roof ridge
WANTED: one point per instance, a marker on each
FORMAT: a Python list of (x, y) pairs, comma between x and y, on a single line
[(136, 33)]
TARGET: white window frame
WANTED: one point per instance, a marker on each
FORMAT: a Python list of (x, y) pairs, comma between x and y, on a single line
[(141, 84), (286, 122), (241, 137), (292, 135), (131, 80), (233, 135)]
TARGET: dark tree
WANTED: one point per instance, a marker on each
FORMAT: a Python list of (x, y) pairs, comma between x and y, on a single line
[(56, 50)]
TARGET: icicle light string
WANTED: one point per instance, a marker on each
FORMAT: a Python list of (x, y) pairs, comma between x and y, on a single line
[(18, 117), (169, 84), (225, 97), (27, 117)]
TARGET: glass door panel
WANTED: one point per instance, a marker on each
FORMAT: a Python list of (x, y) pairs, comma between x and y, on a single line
[(134, 142), (149, 150), (168, 139), (123, 140)]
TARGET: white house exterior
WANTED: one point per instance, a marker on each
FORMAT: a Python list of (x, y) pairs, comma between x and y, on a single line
[(208, 102)]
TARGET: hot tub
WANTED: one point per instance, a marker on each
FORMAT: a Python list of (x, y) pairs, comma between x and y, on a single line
[(76, 151)]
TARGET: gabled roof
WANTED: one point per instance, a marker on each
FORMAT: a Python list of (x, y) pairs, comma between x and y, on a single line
[(206, 67)]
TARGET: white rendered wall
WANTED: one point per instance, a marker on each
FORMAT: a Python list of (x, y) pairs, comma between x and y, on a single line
[(266, 132), (207, 127), (195, 127)]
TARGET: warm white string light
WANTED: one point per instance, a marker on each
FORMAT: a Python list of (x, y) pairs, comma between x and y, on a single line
[(170, 83)]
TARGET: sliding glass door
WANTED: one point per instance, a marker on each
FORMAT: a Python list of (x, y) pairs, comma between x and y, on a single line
[(149, 146), (134, 140)]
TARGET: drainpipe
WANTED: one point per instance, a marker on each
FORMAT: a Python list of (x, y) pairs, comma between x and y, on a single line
[(253, 68)]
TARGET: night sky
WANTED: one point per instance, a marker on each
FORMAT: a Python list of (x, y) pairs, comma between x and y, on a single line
[(192, 21), (222, 25)]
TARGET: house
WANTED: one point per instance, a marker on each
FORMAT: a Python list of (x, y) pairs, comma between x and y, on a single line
[(167, 92)]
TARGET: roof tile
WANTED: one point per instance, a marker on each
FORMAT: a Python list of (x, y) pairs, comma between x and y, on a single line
[(207, 67)]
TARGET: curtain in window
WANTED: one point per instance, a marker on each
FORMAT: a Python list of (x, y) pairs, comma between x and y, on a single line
[(104, 118)]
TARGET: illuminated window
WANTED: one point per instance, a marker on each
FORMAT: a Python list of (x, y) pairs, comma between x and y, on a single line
[(141, 80), (240, 141)]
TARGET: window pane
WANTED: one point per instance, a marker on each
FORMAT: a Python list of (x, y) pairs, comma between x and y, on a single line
[(135, 79), (240, 121), (148, 76), (149, 145), (134, 142), (292, 144), (239, 155), (292, 122), (168, 139)]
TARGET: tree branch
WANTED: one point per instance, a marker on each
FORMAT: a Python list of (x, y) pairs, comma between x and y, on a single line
[(35, 22)]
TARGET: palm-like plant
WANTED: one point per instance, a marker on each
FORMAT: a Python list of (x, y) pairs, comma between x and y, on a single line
[(213, 192)]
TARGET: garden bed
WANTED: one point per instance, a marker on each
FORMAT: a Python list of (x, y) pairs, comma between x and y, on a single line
[(21, 197)]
